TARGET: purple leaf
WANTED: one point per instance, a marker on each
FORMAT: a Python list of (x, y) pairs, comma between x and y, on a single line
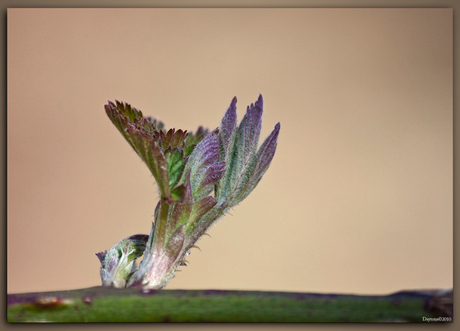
[(267, 151), (101, 256), (193, 139), (260, 102), (248, 134), (201, 207), (241, 152), (213, 174), (227, 127), (246, 166), (259, 167), (206, 152)]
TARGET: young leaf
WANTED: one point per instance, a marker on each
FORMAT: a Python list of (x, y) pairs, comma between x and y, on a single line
[(193, 139), (241, 155), (118, 264), (175, 162), (123, 115), (175, 243), (227, 128), (248, 135), (181, 211), (259, 166), (145, 146), (187, 167), (200, 208), (203, 166), (173, 139)]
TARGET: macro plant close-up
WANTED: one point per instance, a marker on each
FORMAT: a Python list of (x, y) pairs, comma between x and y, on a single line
[(125, 148), (200, 177)]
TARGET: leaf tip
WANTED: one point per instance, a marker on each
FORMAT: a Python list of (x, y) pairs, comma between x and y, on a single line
[(260, 102), (233, 103)]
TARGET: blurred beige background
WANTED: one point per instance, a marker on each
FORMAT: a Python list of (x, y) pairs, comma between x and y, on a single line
[(358, 198)]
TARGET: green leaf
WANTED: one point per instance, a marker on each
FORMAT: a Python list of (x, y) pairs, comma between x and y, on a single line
[(259, 165), (177, 195), (201, 207), (145, 146), (123, 115), (182, 210), (248, 134), (175, 162), (245, 165)]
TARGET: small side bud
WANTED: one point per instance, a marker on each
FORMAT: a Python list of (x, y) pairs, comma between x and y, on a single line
[(118, 264)]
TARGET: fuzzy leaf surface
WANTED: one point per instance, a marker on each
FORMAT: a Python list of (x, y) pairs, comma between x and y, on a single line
[(244, 164), (258, 166), (145, 146), (203, 165), (118, 263)]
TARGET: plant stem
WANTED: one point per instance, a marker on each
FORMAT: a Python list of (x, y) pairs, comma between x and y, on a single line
[(99, 304)]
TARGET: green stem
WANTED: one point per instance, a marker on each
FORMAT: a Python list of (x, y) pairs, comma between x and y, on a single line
[(99, 304), (160, 226)]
